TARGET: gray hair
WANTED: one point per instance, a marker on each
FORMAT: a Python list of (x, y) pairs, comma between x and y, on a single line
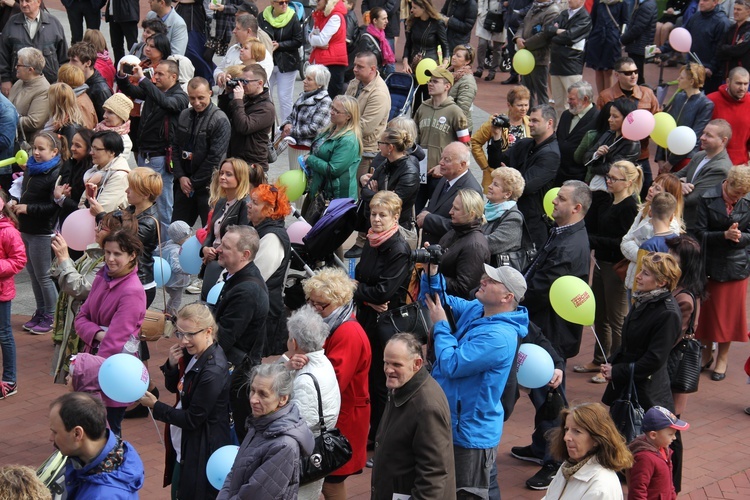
[(282, 379), (247, 22), (583, 89), (464, 153), (320, 74), (413, 346), (307, 328), (581, 194), (248, 239), (548, 113), (33, 58)]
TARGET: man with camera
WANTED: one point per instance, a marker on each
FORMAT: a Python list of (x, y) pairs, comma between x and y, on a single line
[(246, 28), (200, 144)]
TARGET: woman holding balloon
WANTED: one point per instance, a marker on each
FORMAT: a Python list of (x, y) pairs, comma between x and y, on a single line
[(426, 37), (70, 188)]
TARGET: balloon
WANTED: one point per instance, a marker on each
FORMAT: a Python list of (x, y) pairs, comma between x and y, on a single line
[(295, 182), (423, 66), (524, 62), (681, 140), (220, 463), (664, 125), (573, 300), (190, 256), (534, 365), (638, 125), (79, 229), (297, 231), (162, 271), (548, 206), (680, 40), (123, 378), (21, 158), (213, 294)]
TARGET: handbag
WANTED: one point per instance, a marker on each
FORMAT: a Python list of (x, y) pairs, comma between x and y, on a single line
[(21, 143), (410, 318), (684, 362), (314, 206), (273, 154), (493, 22), (621, 269), (626, 411), (154, 324), (331, 451), (521, 259)]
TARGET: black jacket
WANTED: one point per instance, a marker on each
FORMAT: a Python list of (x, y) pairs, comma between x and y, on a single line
[(98, 92), (538, 164), (122, 11), (203, 418), (424, 37), (49, 38), (624, 150), (735, 51), (569, 140), (37, 193), (438, 222), (206, 136), (641, 28), (649, 332), (401, 177), (393, 8), (289, 38), (566, 58), (567, 254), (275, 342), (236, 215), (147, 233), (251, 119), (466, 253), (462, 16), (607, 225), (71, 173), (725, 260)]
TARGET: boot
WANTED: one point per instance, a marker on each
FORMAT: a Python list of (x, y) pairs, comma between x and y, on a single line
[(490, 76), (478, 73)]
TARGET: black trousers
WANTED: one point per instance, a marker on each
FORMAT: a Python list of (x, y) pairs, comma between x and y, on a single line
[(119, 33), (536, 82), (77, 12), (639, 62), (189, 209), (336, 85)]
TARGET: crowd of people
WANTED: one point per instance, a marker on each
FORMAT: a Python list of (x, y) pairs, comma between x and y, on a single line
[(140, 142)]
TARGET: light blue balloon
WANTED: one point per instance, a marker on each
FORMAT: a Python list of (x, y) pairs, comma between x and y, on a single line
[(123, 378), (213, 295), (535, 366), (219, 465), (190, 256), (162, 271)]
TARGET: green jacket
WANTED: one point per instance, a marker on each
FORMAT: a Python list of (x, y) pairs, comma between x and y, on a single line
[(338, 160)]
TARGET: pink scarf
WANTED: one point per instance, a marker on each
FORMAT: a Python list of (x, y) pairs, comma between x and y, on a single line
[(385, 47), (377, 239), (121, 129)]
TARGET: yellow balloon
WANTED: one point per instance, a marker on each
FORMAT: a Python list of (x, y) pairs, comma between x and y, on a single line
[(295, 182), (573, 300), (423, 66), (548, 206), (524, 62), (664, 125)]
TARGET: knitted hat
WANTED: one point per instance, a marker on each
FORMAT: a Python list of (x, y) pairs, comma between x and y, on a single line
[(178, 231), (120, 105)]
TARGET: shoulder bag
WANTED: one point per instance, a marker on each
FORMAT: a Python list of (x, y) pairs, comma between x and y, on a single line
[(519, 259), (331, 451), (493, 22), (626, 411), (684, 362), (314, 206), (155, 324), (410, 318)]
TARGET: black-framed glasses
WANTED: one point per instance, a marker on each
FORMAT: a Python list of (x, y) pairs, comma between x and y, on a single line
[(629, 73), (282, 2), (609, 178), (94, 148), (320, 306), (181, 335)]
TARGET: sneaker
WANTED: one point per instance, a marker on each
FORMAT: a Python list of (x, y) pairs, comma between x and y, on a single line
[(353, 253), (541, 480), (7, 389), (45, 325), (525, 453), (35, 319), (369, 463), (195, 286)]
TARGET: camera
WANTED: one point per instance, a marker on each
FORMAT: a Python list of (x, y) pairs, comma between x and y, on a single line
[(187, 155), (430, 255), (127, 68), (501, 121), (233, 82)]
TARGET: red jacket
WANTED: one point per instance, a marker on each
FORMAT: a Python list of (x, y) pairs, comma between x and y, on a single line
[(12, 259), (737, 113), (335, 54), (651, 475)]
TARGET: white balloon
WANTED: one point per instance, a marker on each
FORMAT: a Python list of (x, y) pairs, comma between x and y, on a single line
[(681, 140)]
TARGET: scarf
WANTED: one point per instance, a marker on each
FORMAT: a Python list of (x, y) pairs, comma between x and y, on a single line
[(35, 168), (569, 468), (338, 316), (494, 211), (459, 73), (377, 239), (120, 129), (540, 6), (640, 298), (729, 202), (282, 20), (385, 48)]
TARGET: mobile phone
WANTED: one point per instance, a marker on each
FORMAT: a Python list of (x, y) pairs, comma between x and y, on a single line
[(91, 190), (127, 68)]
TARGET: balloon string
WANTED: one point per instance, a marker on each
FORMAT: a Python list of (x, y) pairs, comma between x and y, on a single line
[(151, 414), (604, 355)]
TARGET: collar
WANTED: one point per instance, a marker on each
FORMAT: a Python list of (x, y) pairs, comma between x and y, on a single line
[(573, 12), (409, 389), (563, 229), (167, 14), (37, 19), (451, 183), (585, 110)]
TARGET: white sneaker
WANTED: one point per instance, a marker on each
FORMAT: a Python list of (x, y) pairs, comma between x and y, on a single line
[(195, 286)]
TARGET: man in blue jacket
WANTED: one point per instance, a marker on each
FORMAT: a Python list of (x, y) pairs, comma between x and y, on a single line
[(472, 366), (100, 464)]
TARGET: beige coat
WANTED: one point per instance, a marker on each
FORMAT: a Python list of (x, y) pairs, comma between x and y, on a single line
[(111, 193), (87, 110), (374, 108), (32, 103)]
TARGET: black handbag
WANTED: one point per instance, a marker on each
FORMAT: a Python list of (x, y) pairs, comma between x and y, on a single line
[(684, 362), (520, 260), (626, 411), (332, 450), (493, 22), (314, 206), (410, 318)]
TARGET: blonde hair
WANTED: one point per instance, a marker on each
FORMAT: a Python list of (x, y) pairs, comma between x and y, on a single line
[(739, 177), (388, 200), (473, 203), (664, 268), (257, 49), (63, 107), (235, 70), (351, 107), (405, 125), (72, 75), (512, 181), (398, 138), (214, 191), (146, 182), (632, 173), (18, 482), (201, 316), (332, 283), (696, 72), (242, 173)]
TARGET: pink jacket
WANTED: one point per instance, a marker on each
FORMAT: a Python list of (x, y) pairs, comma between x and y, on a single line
[(12, 258), (119, 304)]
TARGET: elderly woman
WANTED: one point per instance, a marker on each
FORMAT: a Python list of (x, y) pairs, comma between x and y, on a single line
[(117, 119), (500, 136), (466, 248), (73, 76), (307, 333), (310, 114), (197, 371), (29, 93), (504, 226), (266, 212), (723, 225), (268, 462), (106, 154), (592, 452), (464, 87), (328, 41), (330, 292)]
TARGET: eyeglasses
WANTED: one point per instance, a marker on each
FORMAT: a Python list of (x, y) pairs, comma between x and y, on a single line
[(181, 335), (655, 256), (245, 81), (94, 148), (320, 306), (629, 73), (609, 178), (335, 111), (282, 2)]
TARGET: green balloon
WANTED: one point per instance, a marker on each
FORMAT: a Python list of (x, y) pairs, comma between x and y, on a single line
[(295, 182)]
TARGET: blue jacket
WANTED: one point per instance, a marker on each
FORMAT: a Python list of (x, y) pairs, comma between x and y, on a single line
[(8, 125), (472, 365), (121, 483)]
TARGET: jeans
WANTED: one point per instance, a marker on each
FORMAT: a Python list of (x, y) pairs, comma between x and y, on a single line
[(284, 85), (120, 32), (77, 12), (391, 68), (39, 255), (494, 492), (539, 444), (165, 201), (7, 343)]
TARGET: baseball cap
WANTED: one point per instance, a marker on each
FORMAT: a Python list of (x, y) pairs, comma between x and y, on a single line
[(440, 72), (508, 276), (658, 418)]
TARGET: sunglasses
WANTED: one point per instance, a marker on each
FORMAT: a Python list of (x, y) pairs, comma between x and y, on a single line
[(629, 73)]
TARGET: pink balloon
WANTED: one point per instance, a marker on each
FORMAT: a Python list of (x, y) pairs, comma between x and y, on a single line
[(79, 229), (297, 231), (680, 40), (638, 125)]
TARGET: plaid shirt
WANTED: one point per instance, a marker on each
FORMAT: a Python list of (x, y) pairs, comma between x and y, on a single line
[(224, 20)]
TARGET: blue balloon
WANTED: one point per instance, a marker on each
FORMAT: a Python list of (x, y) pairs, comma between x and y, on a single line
[(190, 256), (219, 465), (162, 271), (535, 366), (123, 378), (213, 295)]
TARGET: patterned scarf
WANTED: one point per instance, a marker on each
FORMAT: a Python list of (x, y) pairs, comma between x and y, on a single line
[(339, 315), (540, 6), (569, 468), (112, 461), (120, 129), (643, 297)]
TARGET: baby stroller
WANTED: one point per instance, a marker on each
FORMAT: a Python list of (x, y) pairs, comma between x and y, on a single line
[(401, 87)]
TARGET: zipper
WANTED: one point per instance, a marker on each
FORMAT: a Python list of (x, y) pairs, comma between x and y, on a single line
[(458, 416)]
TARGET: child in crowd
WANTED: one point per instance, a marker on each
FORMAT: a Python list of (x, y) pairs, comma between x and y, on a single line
[(651, 475), (178, 232), (662, 211)]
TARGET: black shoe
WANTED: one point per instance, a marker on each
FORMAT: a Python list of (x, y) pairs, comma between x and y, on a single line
[(525, 453), (353, 253), (512, 80), (478, 73), (541, 480), (718, 377), (490, 76)]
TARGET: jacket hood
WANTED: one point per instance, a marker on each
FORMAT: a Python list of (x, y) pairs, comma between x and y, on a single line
[(80, 90), (334, 6), (518, 320), (6, 223), (641, 443), (417, 152), (724, 93), (85, 377), (127, 477), (286, 421)]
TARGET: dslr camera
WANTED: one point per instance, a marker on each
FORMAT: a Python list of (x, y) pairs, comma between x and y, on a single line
[(501, 121), (430, 255), (233, 82)]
